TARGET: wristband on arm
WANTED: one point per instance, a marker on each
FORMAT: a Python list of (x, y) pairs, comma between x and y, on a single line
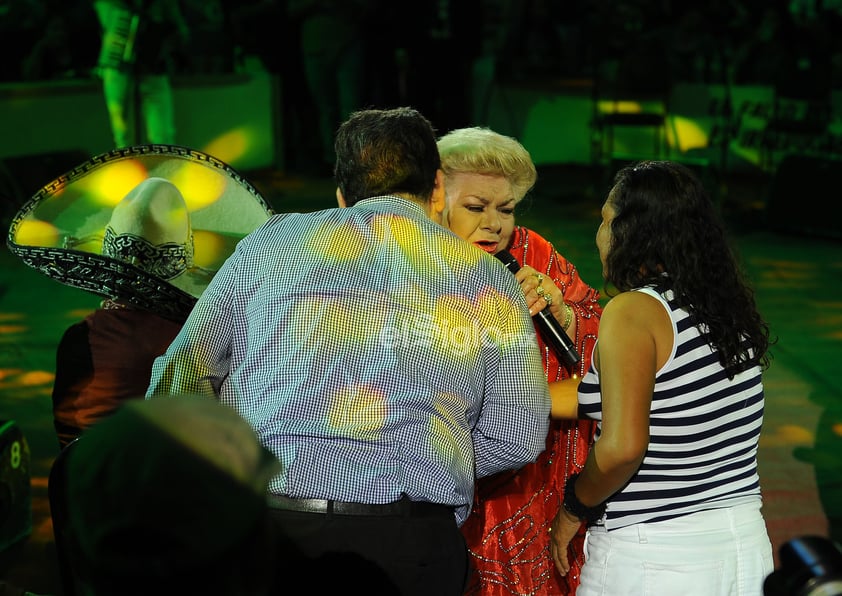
[(575, 507)]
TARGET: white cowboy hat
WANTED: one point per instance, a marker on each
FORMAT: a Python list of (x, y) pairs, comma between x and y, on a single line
[(148, 224)]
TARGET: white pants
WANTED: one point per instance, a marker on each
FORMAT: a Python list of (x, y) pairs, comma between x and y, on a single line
[(711, 553)]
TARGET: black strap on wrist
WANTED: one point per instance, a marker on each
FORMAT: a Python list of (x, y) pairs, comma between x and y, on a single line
[(575, 507)]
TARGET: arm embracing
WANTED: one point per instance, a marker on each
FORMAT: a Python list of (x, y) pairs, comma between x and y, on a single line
[(514, 419), (564, 396)]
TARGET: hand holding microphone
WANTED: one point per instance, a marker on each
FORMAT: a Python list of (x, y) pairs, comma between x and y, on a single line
[(550, 329)]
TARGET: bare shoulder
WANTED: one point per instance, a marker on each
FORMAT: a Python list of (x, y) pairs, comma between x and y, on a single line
[(637, 318), (629, 307)]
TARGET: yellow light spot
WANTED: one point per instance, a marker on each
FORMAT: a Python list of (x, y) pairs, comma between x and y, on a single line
[(107, 186), (209, 249), (228, 147), (37, 377), (493, 307), (794, 434), (453, 327), (442, 431), (6, 373), (20, 379), (33, 232), (338, 244), (689, 134), (622, 107), (406, 233), (409, 238), (464, 259), (359, 410), (199, 184), (10, 329)]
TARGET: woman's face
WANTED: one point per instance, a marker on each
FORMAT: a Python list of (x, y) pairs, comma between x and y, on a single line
[(480, 209), (603, 233)]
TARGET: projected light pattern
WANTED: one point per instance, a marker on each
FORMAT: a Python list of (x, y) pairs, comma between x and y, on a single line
[(60, 231)]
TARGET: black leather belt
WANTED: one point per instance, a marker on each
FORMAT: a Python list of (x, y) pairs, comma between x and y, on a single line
[(405, 507)]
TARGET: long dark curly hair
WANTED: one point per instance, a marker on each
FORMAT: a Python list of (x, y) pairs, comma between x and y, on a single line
[(667, 229)]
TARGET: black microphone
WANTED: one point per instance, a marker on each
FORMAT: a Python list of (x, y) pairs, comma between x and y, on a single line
[(550, 329)]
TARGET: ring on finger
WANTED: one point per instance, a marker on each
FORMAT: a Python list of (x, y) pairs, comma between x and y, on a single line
[(540, 278), (548, 299), (540, 291)]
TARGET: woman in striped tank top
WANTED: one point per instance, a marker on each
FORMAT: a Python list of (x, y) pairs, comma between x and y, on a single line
[(670, 492)]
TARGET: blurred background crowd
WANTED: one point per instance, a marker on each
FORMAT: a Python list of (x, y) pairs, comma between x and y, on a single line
[(706, 42), (440, 56)]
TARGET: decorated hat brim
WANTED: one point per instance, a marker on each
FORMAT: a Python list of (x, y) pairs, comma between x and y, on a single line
[(59, 230)]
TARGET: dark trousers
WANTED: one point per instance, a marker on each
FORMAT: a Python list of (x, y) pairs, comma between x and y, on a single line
[(399, 555)]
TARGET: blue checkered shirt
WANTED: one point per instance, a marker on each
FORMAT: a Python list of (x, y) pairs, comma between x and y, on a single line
[(374, 352)]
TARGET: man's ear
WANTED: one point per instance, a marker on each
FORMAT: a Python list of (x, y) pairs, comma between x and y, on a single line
[(340, 199), (437, 200)]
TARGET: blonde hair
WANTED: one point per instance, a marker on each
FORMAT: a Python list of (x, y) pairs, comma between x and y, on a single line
[(480, 150)]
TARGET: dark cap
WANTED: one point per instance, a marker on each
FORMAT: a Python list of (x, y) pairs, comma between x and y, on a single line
[(175, 481)]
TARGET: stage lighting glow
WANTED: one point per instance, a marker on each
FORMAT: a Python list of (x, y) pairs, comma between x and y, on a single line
[(107, 186), (688, 134), (199, 185), (209, 248), (229, 147), (36, 233)]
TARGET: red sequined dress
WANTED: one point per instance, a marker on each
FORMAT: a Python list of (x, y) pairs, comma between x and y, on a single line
[(507, 532)]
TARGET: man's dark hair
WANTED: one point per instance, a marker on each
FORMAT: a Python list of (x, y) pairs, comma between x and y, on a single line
[(382, 152)]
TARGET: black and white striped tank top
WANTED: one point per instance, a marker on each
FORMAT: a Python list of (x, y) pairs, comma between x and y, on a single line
[(704, 431)]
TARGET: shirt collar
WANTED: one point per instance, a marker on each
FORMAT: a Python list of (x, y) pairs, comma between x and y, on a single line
[(392, 204)]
